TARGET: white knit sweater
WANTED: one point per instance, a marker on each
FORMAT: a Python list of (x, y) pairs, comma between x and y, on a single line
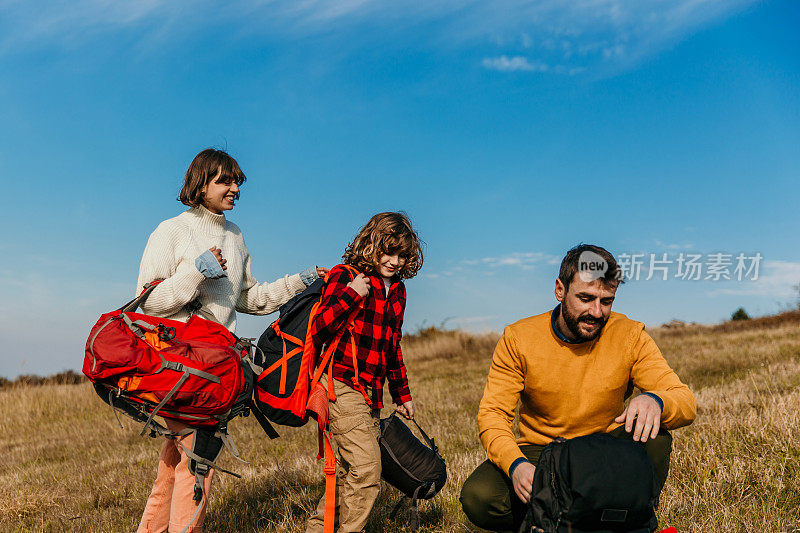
[(170, 254)]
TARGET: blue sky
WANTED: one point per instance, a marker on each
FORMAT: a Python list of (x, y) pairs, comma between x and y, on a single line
[(508, 130)]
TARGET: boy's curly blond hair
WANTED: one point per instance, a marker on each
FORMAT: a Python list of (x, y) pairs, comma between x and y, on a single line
[(386, 233)]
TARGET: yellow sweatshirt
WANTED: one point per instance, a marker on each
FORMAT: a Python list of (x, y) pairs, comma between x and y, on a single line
[(570, 390)]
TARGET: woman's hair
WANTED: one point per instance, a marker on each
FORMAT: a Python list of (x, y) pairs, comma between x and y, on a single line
[(390, 234), (203, 169)]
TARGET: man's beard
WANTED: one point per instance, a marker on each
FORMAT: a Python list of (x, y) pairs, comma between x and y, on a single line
[(573, 324)]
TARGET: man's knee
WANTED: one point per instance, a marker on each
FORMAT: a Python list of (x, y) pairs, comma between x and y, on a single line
[(485, 502), (476, 500)]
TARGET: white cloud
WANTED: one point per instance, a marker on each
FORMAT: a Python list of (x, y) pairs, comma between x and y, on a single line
[(510, 64), (574, 35), (523, 260), (775, 279), (673, 245)]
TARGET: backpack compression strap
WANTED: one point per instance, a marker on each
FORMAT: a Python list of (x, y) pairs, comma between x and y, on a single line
[(286, 355), (330, 487), (177, 367)]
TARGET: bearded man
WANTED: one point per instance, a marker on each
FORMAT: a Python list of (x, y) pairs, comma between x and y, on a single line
[(570, 370)]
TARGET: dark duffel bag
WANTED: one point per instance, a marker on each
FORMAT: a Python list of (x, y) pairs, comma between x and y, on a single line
[(596, 483), (409, 465)]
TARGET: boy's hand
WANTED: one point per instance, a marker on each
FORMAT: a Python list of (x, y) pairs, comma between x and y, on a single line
[(407, 409), (361, 285)]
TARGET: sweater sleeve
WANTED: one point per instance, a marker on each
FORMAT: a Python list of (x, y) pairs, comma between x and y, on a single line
[(504, 386), (651, 373), (159, 261), (265, 298)]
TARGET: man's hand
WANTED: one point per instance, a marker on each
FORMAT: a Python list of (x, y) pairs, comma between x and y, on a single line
[(361, 285), (647, 413), (407, 409), (523, 481)]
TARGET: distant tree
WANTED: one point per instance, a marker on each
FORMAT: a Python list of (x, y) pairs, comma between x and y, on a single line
[(740, 314)]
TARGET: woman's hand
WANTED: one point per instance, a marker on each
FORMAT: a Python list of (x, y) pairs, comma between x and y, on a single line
[(361, 285), (322, 271), (218, 254), (407, 409)]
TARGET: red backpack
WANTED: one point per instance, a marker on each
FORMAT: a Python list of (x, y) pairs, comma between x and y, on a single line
[(194, 372)]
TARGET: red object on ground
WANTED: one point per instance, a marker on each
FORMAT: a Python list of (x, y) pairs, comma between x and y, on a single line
[(669, 530)]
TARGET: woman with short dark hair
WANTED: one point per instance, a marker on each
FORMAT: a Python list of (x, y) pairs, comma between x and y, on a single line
[(205, 265)]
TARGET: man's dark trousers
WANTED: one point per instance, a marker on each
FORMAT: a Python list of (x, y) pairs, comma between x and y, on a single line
[(489, 500)]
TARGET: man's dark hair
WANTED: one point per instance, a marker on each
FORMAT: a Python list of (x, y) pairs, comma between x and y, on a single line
[(570, 267)]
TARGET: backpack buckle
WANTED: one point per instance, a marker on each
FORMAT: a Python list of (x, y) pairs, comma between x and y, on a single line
[(172, 365), (165, 333)]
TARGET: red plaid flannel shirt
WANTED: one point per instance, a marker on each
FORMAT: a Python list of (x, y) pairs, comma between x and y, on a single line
[(377, 332)]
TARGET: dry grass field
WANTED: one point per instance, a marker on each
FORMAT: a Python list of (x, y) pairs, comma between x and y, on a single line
[(65, 465)]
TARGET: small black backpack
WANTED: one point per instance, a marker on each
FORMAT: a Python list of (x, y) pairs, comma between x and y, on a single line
[(596, 483), (416, 470)]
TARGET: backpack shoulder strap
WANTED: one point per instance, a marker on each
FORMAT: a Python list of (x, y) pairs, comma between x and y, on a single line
[(134, 304), (353, 348), (353, 270), (327, 359), (349, 268)]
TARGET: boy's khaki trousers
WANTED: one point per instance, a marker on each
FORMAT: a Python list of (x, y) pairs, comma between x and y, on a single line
[(355, 429)]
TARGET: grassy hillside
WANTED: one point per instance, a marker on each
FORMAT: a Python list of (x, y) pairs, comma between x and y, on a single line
[(65, 465)]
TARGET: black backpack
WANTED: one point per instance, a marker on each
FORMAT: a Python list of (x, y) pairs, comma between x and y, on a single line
[(288, 366), (285, 368), (416, 470), (596, 483)]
